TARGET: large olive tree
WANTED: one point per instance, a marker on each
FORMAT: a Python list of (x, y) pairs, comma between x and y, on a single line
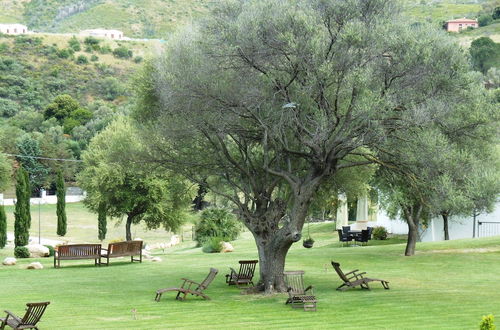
[(269, 99)]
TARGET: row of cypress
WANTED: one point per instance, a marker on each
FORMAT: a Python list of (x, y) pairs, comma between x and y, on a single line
[(22, 214)]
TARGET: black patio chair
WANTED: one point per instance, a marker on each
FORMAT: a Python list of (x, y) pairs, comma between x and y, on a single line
[(344, 237), (363, 237)]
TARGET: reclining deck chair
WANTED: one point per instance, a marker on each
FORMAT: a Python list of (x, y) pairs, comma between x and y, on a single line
[(184, 290), (245, 274), (298, 296), (354, 278), (34, 312)]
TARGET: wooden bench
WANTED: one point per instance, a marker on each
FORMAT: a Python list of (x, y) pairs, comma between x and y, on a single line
[(123, 249), (76, 252)]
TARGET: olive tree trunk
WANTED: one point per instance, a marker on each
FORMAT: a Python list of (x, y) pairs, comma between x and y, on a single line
[(412, 215), (445, 226)]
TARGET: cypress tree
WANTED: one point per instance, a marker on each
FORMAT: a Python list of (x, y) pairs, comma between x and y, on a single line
[(101, 218), (27, 197), (21, 212), (61, 205), (3, 227)]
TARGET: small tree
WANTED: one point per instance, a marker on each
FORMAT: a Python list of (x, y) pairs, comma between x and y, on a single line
[(124, 187), (61, 205), (101, 219), (22, 210), (3, 227)]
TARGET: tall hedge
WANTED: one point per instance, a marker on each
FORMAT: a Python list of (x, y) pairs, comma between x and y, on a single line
[(3, 227), (61, 205), (101, 219), (22, 211)]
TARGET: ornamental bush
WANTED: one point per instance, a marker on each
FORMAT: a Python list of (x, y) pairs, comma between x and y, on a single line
[(379, 233), (213, 245), (21, 252), (51, 250), (219, 223), (487, 323)]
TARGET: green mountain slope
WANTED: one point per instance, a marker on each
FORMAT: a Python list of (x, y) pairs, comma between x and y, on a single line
[(137, 18), (156, 18)]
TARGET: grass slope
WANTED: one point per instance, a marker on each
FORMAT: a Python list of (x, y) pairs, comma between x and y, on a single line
[(446, 285)]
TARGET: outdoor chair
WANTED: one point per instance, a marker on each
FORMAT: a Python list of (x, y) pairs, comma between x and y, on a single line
[(370, 230), (298, 296), (346, 229), (344, 238), (186, 287), (363, 237), (354, 278), (34, 312), (244, 276)]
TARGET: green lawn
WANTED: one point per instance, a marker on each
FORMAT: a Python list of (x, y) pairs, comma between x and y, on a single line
[(447, 285)]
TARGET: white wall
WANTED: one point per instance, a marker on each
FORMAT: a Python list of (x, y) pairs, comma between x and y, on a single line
[(459, 227), (51, 199)]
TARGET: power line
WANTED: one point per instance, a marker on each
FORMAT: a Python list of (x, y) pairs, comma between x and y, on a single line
[(44, 158)]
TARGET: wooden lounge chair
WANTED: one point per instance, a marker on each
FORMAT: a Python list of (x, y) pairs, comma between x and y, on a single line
[(186, 287), (34, 312), (245, 274), (354, 278), (298, 296)]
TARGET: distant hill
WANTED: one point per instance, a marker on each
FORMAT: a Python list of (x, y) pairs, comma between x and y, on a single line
[(157, 18), (136, 18)]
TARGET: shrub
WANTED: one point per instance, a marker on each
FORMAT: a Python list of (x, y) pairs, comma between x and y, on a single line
[(122, 52), (138, 59), (213, 245), (21, 252), (51, 250), (74, 44), (91, 41), (110, 88), (94, 58), (379, 233), (82, 59), (105, 49), (216, 223), (63, 53), (487, 323), (484, 20)]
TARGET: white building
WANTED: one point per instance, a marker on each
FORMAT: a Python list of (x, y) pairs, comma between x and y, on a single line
[(486, 224), (13, 29), (111, 34)]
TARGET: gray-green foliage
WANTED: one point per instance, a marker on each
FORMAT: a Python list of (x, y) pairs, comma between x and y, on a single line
[(271, 98), (61, 205), (3, 227), (22, 216), (218, 223)]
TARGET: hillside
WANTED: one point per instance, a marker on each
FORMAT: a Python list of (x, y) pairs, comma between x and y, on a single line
[(136, 18), (156, 18), (93, 75)]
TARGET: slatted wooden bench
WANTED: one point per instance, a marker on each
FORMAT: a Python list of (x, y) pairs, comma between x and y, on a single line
[(123, 249), (77, 252)]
